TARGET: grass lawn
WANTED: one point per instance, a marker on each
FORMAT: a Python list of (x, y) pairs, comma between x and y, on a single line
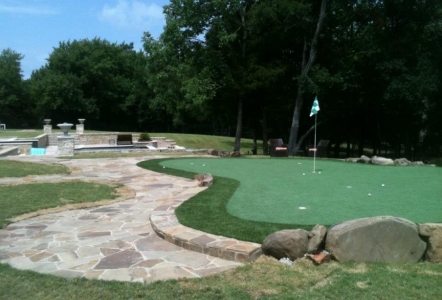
[(9, 168), (264, 279), (25, 198), (252, 198)]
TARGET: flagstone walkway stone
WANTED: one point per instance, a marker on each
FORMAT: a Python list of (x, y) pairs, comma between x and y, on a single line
[(117, 241)]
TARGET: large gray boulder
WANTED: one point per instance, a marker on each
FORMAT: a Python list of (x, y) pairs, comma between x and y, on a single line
[(316, 239), (377, 239), (402, 162), (352, 159), (377, 160), (286, 243), (433, 232), (212, 152), (364, 160), (224, 153)]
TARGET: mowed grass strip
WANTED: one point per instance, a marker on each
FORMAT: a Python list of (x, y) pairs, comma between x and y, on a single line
[(10, 168), (20, 199), (201, 141)]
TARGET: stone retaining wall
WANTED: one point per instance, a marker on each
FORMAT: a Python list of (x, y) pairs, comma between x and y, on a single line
[(43, 140), (106, 139), (96, 138), (23, 147), (167, 227), (9, 151)]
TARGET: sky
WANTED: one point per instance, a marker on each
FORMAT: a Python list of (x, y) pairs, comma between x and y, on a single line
[(34, 28)]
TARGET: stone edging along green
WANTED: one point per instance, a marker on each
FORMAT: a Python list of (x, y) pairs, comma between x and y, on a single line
[(214, 218)]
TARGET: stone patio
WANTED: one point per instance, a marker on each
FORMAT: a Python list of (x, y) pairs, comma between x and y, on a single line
[(120, 241)]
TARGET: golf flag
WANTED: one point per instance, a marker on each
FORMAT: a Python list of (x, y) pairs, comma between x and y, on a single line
[(315, 107)]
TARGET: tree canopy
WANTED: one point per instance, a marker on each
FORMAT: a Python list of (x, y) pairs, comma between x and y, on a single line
[(252, 68), (91, 79), (13, 94)]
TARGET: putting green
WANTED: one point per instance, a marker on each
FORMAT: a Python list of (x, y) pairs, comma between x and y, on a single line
[(277, 191)]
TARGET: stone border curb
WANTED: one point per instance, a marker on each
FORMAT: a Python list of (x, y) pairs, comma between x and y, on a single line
[(166, 226)]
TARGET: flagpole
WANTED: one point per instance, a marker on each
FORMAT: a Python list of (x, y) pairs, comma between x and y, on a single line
[(314, 111), (314, 152)]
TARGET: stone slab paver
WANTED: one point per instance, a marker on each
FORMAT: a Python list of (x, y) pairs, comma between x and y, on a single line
[(111, 242)]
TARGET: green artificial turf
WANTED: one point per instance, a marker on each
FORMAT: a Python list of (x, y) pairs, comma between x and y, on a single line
[(273, 190)]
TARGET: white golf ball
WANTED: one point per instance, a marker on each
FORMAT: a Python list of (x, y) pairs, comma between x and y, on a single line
[(204, 165), (369, 194), (319, 172), (383, 184), (303, 173), (164, 167)]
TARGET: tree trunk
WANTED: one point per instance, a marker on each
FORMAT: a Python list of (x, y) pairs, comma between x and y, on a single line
[(337, 148), (243, 42), (302, 138), (265, 148), (237, 145), (307, 63), (293, 145)]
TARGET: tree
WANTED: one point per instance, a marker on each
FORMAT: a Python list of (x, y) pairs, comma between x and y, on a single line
[(92, 79), (308, 59), (204, 56), (383, 55), (13, 98), (181, 87)]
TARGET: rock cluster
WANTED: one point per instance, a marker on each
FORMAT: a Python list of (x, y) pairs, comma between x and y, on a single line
[(292, 244), (204, 180), (225, 153), (375, 239), (432, 232), (378, 160)]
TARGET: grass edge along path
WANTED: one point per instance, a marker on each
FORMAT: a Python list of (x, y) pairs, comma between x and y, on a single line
[(214, 218)]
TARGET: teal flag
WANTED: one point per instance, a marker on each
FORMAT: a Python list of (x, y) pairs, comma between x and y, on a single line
[(315, 107)]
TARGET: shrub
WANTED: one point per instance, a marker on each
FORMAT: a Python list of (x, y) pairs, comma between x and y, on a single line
[(144, 137)]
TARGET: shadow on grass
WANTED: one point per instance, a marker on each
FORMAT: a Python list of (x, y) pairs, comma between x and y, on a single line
[(207, 211)]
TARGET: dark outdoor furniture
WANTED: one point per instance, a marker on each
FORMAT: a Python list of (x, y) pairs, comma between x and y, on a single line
[(278, 148), (321, 149), (124, 139)]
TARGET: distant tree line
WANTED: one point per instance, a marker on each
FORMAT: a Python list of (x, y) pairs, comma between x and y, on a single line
[(252, 68)]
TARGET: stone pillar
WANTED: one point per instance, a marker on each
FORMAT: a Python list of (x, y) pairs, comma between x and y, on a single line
[(65, 145), (80, 128), (47, 129)]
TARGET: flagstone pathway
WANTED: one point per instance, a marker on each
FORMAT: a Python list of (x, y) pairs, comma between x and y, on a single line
[(111, 242)]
